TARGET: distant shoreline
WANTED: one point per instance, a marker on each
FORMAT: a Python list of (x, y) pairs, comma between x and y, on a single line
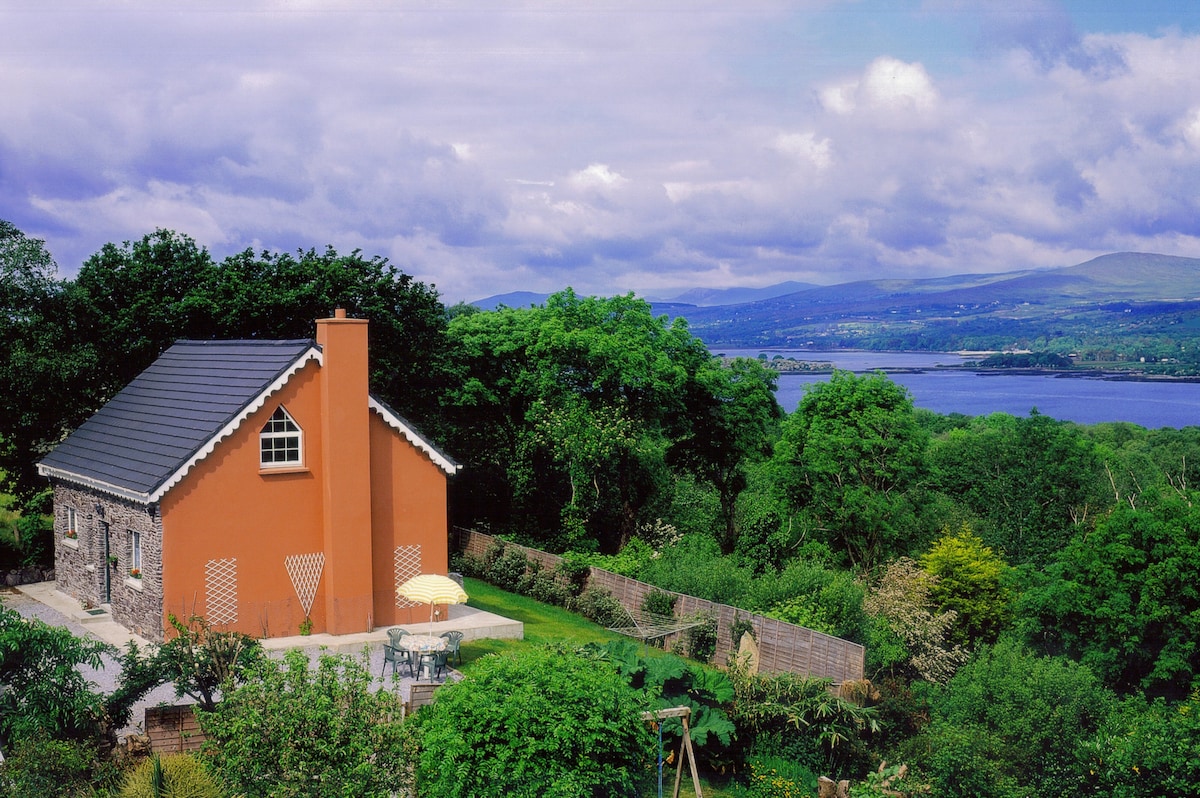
[(1082, 373)]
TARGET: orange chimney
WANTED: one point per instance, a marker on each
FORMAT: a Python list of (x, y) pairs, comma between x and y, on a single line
[(346, 480)]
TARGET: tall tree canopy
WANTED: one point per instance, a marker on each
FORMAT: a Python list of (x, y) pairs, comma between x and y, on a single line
[(1031, 482), (69, 346), (1123, 599), (37, 405), (848, 459), (566, 413)]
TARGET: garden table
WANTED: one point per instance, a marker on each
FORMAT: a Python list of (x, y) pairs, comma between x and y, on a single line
[(420, 645)]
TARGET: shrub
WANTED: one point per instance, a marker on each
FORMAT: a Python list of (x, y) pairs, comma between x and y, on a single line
[(739, 627), (702, 639), (40, 766), (505, 566), (290, 731), (803, 611), (574, 572), (544, 586), (630, 561), (798, 717), (35, 533), (43, 692), (778, 777), (172, 776), (696, 568), (659, 602), (599, 606), (1020, 719), (542, 722), (810, 594), (1147, 750)]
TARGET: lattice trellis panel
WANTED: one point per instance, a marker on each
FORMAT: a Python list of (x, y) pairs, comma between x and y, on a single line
[(305, 571), (220, 590), (408, 565)]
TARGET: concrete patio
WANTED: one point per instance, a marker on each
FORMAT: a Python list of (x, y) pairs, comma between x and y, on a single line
[(42, 600)]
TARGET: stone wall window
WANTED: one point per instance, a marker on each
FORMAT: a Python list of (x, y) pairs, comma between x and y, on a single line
[(72, 531), (281, 442), (135, 553)]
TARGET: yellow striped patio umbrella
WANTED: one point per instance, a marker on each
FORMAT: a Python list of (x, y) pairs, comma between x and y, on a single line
[(432, 589)]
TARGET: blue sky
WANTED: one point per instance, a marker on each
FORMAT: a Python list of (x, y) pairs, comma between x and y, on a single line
[(627, 145)]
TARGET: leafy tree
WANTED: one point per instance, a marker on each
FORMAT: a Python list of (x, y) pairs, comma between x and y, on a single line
[(67, 347), (564, 414), (34, 410), (765, 541), (730, 412), (278, 295), (44, 693), (538, 723), (1012, 723), (849, 457), (201, 661), (1031, 481), (1123, 599), (908, 636), (130, 302), (971, 581), (326, 732), (1146, 750)]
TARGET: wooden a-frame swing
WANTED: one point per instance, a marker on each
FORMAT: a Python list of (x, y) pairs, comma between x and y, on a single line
[(685, 748)]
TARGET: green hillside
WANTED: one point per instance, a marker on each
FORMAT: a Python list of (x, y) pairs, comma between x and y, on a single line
[(1125, 307)]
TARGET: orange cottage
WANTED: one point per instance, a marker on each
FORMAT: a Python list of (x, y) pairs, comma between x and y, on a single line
[(254, 483)]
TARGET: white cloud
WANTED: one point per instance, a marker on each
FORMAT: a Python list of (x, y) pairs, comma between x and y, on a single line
[(887, 84), (524, 145), (805, 147), (597, 176)]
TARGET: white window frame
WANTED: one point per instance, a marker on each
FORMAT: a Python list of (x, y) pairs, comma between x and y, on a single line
[(135, 551), (286, 435), (72, 524)]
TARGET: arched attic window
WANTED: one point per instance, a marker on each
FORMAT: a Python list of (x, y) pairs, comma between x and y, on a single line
[(281, 441)]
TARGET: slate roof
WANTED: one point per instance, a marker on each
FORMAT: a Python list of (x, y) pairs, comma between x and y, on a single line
[(163, 421)]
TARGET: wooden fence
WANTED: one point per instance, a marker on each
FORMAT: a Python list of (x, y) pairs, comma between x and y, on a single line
[(782, 647), (173, 730)]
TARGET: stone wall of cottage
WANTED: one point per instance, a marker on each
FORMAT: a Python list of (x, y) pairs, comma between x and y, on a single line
[(81, 564)]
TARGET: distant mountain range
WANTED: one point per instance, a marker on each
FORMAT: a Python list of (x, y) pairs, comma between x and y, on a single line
[(1114, 292), (694, 297)]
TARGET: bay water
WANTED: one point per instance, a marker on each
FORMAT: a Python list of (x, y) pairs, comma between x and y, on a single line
[(1080, 398)]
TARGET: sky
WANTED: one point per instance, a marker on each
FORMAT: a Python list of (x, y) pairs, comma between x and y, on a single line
[(650, 146)]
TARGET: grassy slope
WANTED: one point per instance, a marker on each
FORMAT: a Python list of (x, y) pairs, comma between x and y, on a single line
[(543, 623)]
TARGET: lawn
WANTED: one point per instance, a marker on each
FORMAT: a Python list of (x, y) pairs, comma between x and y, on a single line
[(545, 623)]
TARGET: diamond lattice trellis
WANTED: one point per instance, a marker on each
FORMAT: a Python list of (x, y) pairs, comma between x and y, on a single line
[(220, 590), (408, 565), (305, 571)]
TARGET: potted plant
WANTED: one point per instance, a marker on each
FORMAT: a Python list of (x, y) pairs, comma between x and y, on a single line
[(112, 560), (136, 573), (72, 534)]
